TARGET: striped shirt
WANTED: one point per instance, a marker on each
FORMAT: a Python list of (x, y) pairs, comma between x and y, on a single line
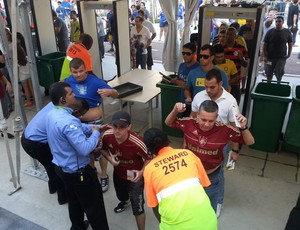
[(232, 54)]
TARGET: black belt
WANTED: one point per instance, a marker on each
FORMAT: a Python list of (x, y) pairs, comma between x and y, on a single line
[(87, 167)]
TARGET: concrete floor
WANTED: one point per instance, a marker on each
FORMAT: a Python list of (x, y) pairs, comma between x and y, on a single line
[(259, 193)]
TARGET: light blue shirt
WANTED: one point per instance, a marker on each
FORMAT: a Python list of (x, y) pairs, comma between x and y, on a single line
[(68, 141), (36, 129), (196, 77)]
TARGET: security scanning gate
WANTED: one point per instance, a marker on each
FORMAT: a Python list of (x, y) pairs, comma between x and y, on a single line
[(86, 12), (18, 10), (207, 13)]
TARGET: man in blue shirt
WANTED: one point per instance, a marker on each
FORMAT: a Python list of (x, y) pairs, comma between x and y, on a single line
[(34, 142), (71, 148), (196, 78), (189, 63), (68, 7), (92, 89), (180, 21), (60, 10)]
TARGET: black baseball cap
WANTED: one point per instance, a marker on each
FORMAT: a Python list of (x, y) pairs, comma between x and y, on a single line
[(121, 118)]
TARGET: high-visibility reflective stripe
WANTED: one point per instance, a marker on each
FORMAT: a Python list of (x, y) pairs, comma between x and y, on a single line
[(177, 188), (69, 58)]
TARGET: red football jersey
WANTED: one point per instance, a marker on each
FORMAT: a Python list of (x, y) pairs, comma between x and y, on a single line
[(132, 152), (208, 146)]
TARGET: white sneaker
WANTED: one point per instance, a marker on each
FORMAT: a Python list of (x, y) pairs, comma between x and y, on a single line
[(219, 209)]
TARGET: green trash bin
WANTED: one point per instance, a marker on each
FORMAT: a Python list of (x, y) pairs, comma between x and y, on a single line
[(170, 95), (270, 103), (292, 132), (49, 68)]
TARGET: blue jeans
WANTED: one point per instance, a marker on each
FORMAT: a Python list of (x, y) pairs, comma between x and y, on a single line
[(222, 178), (213, 190)]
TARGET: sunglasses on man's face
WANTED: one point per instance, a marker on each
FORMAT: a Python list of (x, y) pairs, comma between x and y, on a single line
[(205, 56), (186, 53)]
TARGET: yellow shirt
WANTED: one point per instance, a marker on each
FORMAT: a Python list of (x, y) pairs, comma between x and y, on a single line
[(229, 68), (74, 30)]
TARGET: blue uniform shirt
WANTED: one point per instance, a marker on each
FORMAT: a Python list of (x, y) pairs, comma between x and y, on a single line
[(88, 88), (36, 129), (67, 139), (196, 80)]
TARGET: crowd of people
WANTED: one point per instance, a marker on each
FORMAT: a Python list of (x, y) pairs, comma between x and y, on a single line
[(184, 187)]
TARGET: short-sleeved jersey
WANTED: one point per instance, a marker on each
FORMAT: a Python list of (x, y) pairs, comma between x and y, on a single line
[(196, 80), (229, 68), (208, 146), (232, 54), (132, 152), (76, 51), (174, 180), (183, 70), (88, 88)]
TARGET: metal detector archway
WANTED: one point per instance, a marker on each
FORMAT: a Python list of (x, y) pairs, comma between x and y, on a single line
[(121, 38), (207, 13)]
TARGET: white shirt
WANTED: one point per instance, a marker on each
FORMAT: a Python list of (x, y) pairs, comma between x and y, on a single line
[(149, 26), (225, 102), (141, 37)]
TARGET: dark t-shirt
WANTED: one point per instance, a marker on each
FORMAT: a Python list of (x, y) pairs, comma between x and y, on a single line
[(247, 33), (293, 9), (63, 33), (276, 41)]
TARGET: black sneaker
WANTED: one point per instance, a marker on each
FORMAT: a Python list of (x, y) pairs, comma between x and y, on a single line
[(121, 206), (9, 135), (104, 181)]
